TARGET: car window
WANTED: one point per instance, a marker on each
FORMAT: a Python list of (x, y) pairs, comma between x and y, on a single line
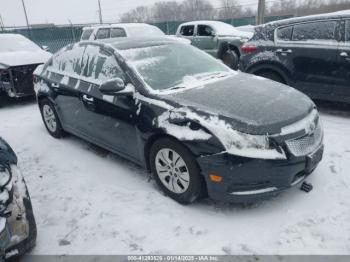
[(347, 31), (68, 60), (319, 31), (204, 30), (102, 33), (187, 30), (99, 64), (86, 34), (117, 32), (285, 33)]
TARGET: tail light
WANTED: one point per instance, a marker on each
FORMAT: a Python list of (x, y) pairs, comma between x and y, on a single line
[(249, 48)]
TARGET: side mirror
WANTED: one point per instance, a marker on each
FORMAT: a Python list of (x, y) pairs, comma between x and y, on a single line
[(112, 87), (212, 34), (45, 48)]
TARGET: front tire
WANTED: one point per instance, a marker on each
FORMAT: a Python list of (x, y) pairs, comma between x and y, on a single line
[(50, 118), (176, 171), (231, 59)]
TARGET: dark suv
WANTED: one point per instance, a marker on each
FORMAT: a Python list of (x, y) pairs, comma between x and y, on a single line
[(311, 54)]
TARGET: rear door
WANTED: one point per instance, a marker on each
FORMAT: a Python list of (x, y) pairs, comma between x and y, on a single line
[(63, 77), (109, 121), (342, 86), (310, 53), (205, 38)]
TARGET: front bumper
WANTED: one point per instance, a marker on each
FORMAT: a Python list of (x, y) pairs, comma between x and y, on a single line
[(19, 232), (249, 180)]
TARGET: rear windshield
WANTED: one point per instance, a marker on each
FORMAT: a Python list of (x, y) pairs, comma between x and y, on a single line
[(86, 34)]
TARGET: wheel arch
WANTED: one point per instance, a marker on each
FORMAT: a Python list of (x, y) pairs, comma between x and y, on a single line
[(271, 67)]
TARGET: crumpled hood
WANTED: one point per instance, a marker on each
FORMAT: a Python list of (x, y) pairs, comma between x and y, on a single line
[(9, 59), (250, 104)]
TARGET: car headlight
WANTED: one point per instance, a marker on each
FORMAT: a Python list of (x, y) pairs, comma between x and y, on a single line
[(254, 146)]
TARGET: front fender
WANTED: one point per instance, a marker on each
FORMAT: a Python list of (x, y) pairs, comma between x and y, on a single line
[(190, 132)]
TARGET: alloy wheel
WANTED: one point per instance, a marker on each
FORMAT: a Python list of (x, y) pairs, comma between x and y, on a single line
[(50, 118), (172, 170)]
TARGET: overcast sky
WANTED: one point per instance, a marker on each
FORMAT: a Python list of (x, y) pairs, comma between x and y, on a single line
[(78, 11)]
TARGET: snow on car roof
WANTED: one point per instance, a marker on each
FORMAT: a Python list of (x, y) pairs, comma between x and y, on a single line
[(309, 17), (16, 42), (138, 42)]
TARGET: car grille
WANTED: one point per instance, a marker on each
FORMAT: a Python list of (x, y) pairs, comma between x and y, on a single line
[(307, 144)]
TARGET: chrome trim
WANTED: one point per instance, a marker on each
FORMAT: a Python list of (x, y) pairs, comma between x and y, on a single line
[(254, 192)]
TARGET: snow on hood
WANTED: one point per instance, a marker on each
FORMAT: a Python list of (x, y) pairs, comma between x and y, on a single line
[(252, 105), (17, 58)]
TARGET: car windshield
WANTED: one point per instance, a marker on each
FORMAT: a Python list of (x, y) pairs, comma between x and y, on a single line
[(144, 31), (174, 66), (12, 43)]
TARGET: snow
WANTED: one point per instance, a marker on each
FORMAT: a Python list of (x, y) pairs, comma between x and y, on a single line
[(88, 201)]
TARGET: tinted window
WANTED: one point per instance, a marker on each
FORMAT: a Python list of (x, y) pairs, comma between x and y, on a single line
[(69, 59), (187, 30), (204, 30), (99, 64), (285, 33), (86, 34), (117, 32), (347, 31), (315, 31), (102, 33)]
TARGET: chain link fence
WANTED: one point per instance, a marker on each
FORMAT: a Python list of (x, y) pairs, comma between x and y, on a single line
[(56, 37)]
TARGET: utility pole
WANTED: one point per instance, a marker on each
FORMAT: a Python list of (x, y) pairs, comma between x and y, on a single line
[(25, 13), (100, 11), (1, 23), (261, 12)]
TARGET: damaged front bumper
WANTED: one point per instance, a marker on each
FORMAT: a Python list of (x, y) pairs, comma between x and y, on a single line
[(249, 179), (17, 224)]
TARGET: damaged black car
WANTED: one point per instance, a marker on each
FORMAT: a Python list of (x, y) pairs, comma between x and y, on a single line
[(18, 59), (200, 127), (17, 224)]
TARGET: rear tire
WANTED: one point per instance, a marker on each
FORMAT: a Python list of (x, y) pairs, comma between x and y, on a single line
[(272, 76), (50, 119), (231, 59), (176, 171)]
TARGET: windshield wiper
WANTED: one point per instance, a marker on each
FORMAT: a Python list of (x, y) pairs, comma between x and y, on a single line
[(176, 87)]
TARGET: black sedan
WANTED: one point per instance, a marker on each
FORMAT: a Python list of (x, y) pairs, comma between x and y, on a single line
[(17, 223), (200, 127)]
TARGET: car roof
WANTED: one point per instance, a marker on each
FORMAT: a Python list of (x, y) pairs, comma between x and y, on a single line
[(137, 42), (334, 15), (207, 22), (125, 25)]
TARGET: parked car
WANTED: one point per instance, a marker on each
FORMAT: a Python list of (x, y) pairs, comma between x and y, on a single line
[(123, 30), (219, 39), (199, 126), (18, 59), (311, 54), (17, 224)]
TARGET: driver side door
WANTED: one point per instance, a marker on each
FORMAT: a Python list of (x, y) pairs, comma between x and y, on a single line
[(205, 39), (109, 121)]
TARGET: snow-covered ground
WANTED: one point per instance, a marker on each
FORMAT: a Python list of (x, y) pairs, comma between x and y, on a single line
[(88, 201)]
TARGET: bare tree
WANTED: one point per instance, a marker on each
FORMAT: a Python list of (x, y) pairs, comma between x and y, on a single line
[(230, 9), (139, 14), (197, 10), (167, 11)]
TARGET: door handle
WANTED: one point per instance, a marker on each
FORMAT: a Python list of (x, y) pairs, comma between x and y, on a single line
[(283, 51), (88, 99), (344, 54), (55, 85)]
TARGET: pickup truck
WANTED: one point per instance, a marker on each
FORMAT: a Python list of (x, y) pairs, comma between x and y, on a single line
[(219, 39)]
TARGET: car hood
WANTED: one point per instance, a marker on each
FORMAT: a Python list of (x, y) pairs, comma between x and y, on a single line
[(251, 104), (9, 59)]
